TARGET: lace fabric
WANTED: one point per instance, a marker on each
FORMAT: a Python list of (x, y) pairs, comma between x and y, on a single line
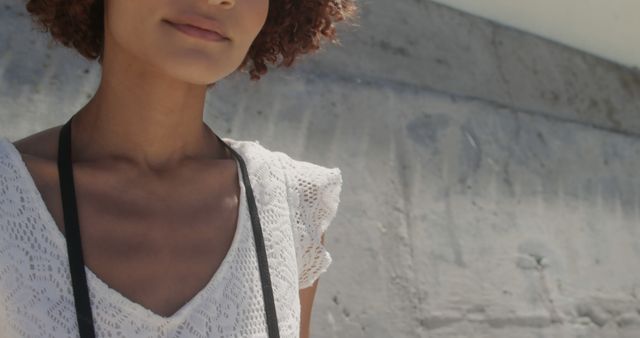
[(296, 200), (314, 195)]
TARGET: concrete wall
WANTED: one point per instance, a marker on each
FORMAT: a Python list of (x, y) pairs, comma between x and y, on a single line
[(602, 28), (490, 176)]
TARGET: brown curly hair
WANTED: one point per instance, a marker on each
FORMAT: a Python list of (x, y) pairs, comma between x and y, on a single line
[(292, 28)]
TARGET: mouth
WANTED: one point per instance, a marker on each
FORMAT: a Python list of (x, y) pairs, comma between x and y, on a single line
[(198, 32)]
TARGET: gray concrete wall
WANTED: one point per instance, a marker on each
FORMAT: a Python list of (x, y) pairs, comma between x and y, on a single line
[(490, 176)]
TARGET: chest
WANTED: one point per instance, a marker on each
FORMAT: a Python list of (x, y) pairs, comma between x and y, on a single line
[(158, 248)]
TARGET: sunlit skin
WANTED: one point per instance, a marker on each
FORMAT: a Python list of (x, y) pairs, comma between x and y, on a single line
[(306, 301), (145, 121)]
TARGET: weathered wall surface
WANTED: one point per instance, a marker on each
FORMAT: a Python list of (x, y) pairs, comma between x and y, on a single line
[(490, 176)]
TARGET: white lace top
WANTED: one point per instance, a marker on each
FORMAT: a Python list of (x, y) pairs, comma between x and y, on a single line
[(296, 202)]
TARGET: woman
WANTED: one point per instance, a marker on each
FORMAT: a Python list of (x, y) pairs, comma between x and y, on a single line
[(161, 201)]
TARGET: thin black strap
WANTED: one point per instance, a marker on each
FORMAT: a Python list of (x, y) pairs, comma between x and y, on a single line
[(267, 292), (74, 244), (72, 234)]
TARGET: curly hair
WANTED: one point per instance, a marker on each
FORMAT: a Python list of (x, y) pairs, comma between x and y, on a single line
[(292, 28)]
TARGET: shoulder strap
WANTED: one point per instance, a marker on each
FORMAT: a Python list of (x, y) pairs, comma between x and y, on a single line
[(267, 292), (72, 234)]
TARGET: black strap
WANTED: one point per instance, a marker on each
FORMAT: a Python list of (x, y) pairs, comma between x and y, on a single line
[(74, 244), (267, 292), (72, 234)]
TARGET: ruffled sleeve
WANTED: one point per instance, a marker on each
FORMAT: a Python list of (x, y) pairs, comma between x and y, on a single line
[(313, 193)]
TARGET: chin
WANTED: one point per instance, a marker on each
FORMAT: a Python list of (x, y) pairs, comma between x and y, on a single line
[(196, 77), (197, 70)]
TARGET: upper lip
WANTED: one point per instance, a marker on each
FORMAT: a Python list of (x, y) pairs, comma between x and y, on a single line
[(200, 22)]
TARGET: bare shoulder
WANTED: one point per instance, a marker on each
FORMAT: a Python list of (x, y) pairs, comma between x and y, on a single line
[(41, 145)]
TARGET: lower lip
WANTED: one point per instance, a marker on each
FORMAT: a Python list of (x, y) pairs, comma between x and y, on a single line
[(198, 32)]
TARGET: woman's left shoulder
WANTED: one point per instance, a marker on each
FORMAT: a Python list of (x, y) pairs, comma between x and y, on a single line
[(293, 166), (313, 195), (254, 153)]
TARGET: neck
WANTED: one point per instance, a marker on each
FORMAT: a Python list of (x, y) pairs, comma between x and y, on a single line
[(153, 123)]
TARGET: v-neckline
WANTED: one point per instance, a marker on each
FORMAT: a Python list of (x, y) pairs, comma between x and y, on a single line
[(101, 287)]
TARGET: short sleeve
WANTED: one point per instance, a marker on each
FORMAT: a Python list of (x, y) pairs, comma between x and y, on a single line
[(313, 193)]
